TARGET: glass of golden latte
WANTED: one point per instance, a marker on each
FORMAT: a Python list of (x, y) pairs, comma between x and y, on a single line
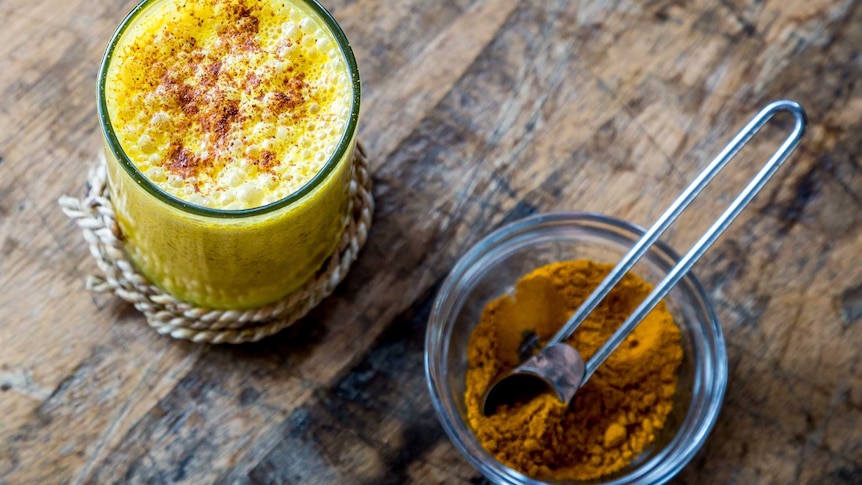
[(229, 127)]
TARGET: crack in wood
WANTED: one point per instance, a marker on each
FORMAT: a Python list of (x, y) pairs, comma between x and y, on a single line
[(851, 304)]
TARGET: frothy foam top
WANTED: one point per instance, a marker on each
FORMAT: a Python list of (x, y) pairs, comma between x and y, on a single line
[(228, 104)]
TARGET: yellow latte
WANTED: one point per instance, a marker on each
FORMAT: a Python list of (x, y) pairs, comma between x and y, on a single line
[(229, 104)]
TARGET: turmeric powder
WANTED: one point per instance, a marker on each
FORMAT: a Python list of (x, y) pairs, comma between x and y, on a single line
[(615, 416)]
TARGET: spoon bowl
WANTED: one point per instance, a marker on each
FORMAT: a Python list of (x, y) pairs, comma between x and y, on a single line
[(558, 368)]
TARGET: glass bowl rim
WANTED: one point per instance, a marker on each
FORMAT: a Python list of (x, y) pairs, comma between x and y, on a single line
[(668, 465), (340, 151)]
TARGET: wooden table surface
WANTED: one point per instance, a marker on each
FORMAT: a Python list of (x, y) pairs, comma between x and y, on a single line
[(475, 113)]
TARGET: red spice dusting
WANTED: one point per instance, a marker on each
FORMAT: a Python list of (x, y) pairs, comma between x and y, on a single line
[(221, 115), (241, 32), (197, 86), (186, 97), (282, 101), (291, 97), (252, 82), (214, 69), (266, 162), (183, 162)]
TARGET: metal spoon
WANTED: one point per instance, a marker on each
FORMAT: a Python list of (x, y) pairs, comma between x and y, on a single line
[(559, 367)]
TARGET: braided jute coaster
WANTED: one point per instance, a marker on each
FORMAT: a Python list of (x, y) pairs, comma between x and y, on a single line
[(94, 214)]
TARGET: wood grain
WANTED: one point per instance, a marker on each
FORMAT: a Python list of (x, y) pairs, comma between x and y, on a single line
[(476, 113)]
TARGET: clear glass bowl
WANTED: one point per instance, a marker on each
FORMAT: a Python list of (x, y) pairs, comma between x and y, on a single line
[(491, 268)]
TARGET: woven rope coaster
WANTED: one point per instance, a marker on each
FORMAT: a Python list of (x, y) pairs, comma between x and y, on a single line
[(94, 214)]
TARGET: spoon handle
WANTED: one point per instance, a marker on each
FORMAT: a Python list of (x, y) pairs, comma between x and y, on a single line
[(718, 227), (691, 192)]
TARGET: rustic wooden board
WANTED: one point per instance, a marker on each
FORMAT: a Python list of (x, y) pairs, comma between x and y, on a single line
[(476, 113)]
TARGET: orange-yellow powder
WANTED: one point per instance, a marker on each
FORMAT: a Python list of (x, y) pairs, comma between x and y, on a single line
[(617, 413)]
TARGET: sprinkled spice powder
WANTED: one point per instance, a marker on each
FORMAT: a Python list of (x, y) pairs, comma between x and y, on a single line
[(229, 104)]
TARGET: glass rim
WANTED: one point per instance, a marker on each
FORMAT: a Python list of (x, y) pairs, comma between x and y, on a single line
[(673, 458), (133, 171)]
